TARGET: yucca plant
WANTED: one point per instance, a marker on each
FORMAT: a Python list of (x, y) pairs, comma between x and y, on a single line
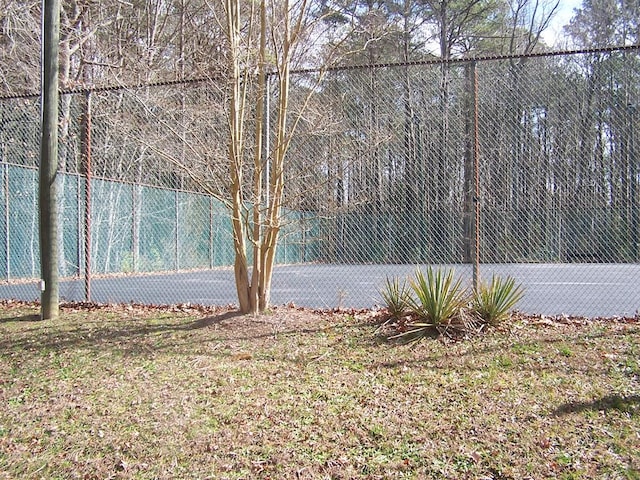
[(397, 297), (493, 302), (438, 296)]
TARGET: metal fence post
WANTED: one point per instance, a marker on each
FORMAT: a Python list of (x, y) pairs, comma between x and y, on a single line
[(86, 158), (471, 201), (176, 239), (7, 229), (79, 226), (476, 171), (211, 233), (633, 178), (135, 233)]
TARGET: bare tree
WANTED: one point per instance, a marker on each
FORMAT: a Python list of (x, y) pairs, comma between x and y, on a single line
[(280, 26)]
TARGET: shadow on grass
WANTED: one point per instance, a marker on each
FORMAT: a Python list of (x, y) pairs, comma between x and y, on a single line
[(208, 321), (145, 336), (628, 404), (96, 334), (21, 318)]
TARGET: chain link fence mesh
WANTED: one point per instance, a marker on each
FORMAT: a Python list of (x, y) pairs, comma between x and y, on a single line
[(389, 168)]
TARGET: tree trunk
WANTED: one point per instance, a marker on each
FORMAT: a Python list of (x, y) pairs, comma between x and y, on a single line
[(254, 289), (49, 161)]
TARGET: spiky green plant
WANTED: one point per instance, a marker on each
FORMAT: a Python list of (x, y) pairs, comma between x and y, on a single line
[(397, 296), (494, 301), (438, 296)]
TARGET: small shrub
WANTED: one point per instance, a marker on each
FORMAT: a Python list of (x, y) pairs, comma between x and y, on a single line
[(438, 298), (436, 302), (397, 297), (493, 302)]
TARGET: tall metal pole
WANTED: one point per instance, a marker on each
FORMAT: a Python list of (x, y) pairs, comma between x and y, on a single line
[(634, 173), (7, 217), (86, 154), (476, 170), (47, 193)]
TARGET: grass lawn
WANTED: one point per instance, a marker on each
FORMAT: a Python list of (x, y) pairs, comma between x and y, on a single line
[(130, 392)]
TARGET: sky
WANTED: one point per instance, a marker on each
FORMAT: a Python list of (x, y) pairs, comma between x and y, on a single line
[(562, 17)]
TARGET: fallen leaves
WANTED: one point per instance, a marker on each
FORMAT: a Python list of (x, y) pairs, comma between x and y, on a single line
[(180, 391)]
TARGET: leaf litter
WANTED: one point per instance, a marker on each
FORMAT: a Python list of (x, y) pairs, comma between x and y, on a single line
[(184, 391)]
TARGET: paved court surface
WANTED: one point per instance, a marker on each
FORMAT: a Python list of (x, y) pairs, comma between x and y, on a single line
[(577, 289)]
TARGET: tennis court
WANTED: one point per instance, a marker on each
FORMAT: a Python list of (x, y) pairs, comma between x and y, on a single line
[(575, 289)]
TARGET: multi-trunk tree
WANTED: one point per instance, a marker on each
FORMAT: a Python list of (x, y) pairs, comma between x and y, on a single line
[(260, 36)]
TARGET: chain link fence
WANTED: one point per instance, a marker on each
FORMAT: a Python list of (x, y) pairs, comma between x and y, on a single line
[(524, 166)]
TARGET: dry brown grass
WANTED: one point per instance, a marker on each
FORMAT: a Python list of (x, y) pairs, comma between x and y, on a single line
[(129, 392)]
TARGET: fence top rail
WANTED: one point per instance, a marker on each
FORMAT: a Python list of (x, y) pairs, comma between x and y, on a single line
[(463, 60), (336, 68)]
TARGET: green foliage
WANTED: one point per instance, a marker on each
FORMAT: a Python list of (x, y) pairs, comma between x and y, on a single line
[(493, 302), (438, 298), (436, 301), (397, 296), (565, 351)]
